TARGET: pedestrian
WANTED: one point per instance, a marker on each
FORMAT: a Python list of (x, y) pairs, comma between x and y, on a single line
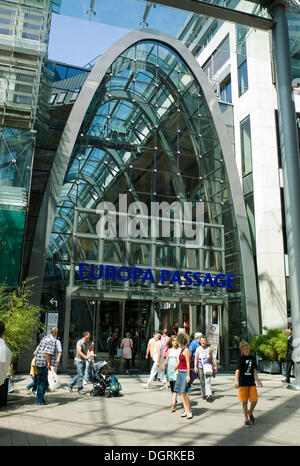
[(5, 360), (127, 346), (194, 344), (58, 353), (183, 379), (164, 341), (113, 344), (158, 360), (34, 375), (82, 347), (170, 363), (88, 366), (288, 358), (10, 375), (245, 377), (150, 346), (204, 366), (44, 353)]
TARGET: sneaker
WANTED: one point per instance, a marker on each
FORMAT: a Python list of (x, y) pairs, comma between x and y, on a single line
[(247, 424), (84, 382), (285, 381), (189, 416), (209, 399), (183, 414), (252, 419), (81, 392), (145, 385), (10, 391), (70, 388)]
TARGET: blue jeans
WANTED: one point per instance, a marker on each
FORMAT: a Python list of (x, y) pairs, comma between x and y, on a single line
[(88, 371), (80, 366), (33, 384), (42, 380)]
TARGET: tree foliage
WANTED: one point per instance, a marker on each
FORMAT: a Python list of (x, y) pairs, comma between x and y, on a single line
[(21, 318), (271, 346)]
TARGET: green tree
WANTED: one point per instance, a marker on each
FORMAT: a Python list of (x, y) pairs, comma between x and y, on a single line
[(21, 318)]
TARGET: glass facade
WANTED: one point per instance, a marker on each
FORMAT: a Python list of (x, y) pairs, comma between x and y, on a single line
[(148, 134)]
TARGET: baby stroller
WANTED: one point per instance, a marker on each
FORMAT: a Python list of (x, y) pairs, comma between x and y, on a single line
[(103, 382)]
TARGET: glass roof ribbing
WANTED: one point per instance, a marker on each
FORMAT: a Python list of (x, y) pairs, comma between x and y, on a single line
[(134, 101)]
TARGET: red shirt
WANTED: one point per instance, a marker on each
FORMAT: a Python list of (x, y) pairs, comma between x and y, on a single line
[(182, 362)]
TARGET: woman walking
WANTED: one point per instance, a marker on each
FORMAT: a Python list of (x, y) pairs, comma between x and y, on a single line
[(127, 346), (171, 362), (158, 360), (204, 365), (183, 380)]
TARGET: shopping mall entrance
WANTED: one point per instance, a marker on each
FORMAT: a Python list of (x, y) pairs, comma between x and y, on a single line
[(110, 320)]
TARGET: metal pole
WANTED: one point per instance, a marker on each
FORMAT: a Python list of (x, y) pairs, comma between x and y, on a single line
[(291, 166)]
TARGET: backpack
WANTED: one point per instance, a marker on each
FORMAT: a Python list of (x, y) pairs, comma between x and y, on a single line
[(115, 385)]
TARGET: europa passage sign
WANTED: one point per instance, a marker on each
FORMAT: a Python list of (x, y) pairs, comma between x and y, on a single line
[(134, 274)]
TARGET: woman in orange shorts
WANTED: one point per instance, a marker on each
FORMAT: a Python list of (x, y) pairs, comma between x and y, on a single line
[(245, 377)]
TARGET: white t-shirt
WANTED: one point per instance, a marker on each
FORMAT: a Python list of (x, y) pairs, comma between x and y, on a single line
[(5, 360)]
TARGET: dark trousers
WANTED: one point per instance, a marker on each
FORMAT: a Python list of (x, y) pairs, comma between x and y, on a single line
[(127, 364), (289, 365), (3, 393), (42, 384)]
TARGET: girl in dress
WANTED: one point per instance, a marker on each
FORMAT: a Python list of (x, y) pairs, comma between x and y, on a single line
[(171, 362)]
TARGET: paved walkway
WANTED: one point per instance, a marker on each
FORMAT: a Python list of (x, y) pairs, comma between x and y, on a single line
[(143, 417)]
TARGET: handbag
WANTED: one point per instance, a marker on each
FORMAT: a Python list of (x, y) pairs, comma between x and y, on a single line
[(207, 368), (119, 353)]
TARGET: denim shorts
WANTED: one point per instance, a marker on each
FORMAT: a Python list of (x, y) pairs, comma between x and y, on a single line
[(181, 385)]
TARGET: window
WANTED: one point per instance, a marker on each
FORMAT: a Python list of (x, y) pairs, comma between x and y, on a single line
[(225, 90), (243, 78), (249, 204), (246, 146), (52, 98), (61, 98), (220, 56), (75, 94), (242, 59)]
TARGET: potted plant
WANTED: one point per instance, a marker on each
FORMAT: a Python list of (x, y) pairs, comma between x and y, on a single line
[(271, 349)]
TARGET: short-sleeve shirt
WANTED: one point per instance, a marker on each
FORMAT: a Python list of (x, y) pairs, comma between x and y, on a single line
[(83, 346), (246, 366), (47, 345)]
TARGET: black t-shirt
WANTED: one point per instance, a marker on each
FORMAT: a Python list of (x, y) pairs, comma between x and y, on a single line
[(246, 366)]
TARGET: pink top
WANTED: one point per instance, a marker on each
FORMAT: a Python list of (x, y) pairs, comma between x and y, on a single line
[(164, 340), (125, 344)]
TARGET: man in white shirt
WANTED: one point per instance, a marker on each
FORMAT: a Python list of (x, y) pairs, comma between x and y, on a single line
[(5, 360)]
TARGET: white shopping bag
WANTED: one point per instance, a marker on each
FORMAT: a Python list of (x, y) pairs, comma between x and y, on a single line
[(53, 380)]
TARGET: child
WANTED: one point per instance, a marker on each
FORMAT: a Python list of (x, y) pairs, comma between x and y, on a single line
[(245, 377), (171, 362), (34, 375)]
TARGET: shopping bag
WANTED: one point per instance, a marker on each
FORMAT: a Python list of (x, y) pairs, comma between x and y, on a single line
[(119, 353), (53, 380)]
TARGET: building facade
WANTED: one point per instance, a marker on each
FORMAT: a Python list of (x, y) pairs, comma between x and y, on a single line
[(188, 122)]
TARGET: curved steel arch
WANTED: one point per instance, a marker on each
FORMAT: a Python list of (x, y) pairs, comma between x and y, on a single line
[(68, 140)]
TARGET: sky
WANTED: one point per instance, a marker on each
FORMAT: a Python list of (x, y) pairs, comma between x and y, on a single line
[(77, 41)]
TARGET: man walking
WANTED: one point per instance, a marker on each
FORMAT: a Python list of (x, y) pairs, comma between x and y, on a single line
[(288, 358), (83, 346), (46, 354)]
